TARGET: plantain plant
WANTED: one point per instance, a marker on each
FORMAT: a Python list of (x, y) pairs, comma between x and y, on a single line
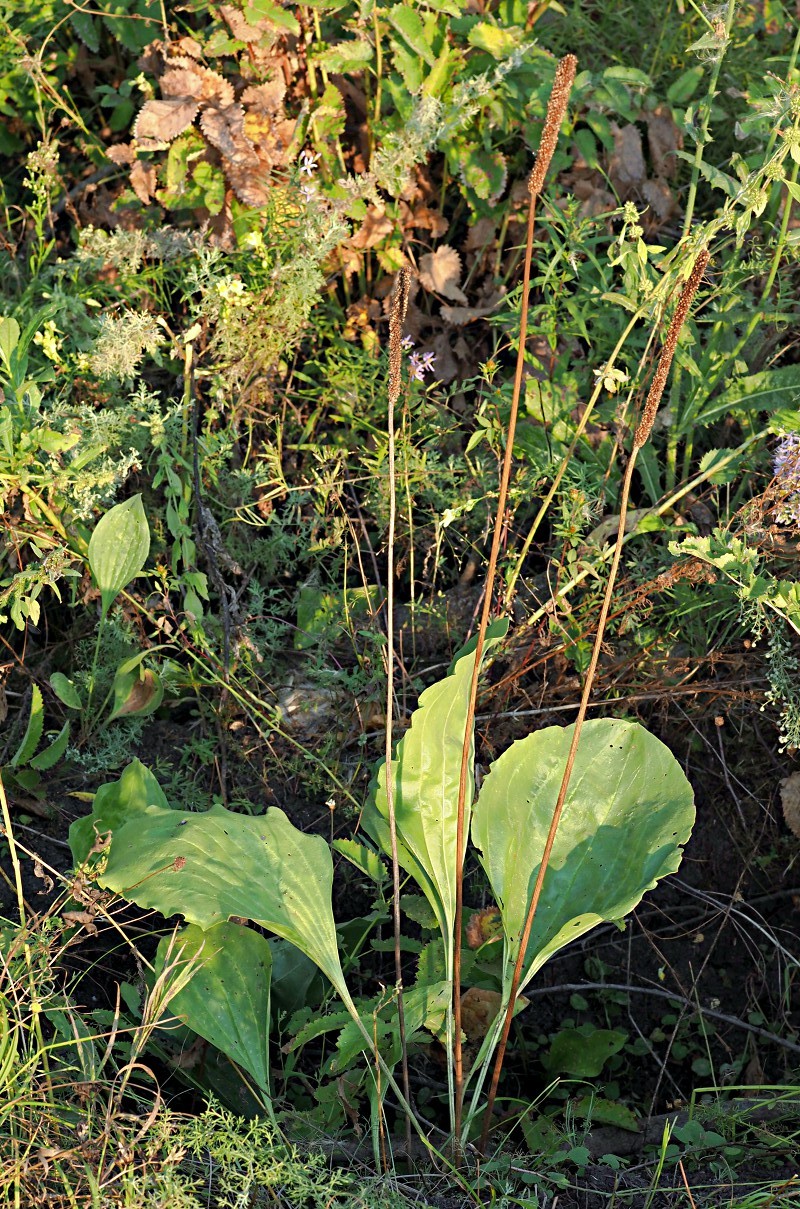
[(628, 812)]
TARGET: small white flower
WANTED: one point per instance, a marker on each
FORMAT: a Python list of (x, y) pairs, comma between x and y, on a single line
[(308, 162)]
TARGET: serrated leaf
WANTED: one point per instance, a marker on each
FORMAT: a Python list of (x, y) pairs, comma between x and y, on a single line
[(348, 56), (266, 10), (33, 731), (86, 28), (409, 25), (52, 754), (367, 860), (118, 548), (227, 997), (629, 809), (65, 690)]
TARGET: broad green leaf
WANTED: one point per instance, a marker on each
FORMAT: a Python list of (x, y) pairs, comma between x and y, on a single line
[(52, 754), (425, 774), (292, 975), (629, 809), (227, 997), (767, 391), (33, 731), (114, 804), (65, 690), (408, 23), (86, 28), (9, 339), (118, 548), (352, 55), (209, 867), (582, 1051)]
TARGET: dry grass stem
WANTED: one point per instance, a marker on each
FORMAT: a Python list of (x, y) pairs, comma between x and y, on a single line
[(397, 314), (565, 74), (645, 427)]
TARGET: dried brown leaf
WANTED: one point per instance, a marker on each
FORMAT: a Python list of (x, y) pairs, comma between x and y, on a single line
[(479, 1009), (664, 139), (121, 153), (197, 82), (224, 129), (163, 121), (626, 166), (240, 28), (144, 181), (790, 800), (458, 316), (247, 181), (375, 227), (265, 98), (440, 272), (659, 197)]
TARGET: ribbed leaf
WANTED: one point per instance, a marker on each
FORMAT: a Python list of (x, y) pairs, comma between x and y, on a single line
[(118, 548), (425, 776), (226, 999), (628, 811)]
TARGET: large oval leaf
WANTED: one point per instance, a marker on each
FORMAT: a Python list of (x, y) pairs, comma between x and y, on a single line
[(118, 548), (628, 811), (426, 773), (226, 999), (208, 867)]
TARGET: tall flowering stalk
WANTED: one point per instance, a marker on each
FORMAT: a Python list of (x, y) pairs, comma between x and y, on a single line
[(556, 109)]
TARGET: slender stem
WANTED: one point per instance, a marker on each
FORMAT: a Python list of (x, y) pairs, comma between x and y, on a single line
[(702, 136), (641, 436), (398, 314), (556, 109), (473, 691)]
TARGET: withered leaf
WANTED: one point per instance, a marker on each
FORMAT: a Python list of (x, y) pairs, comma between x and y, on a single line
[(81, 917), (664, 139), (790, 800), (224, 129), (143, 181), (458, 316), (479, 1009), (163, 121), (240, 28), (146, 687), (375, 227), (197, 82), (659, 197), (265, 98), (121, 153), (245, 182), (626, 166), (440, 272)]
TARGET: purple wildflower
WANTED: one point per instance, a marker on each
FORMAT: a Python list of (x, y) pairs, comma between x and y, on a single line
[(308, 191), (416, 368), (406, 343), (419, 364), (786, 467)]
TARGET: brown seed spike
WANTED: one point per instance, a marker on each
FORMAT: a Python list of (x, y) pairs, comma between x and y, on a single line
[(556, 108), (668, 351), (397, 315)]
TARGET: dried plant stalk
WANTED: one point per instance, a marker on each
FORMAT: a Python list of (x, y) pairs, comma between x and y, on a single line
[(556, 108), (397, 314), (642, 433)]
